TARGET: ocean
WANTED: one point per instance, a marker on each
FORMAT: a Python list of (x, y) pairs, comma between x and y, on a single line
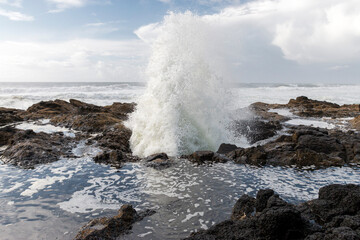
[(23, 95), (53, 201)]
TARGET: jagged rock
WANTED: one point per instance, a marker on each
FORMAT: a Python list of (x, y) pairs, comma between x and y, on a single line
[(355, 123), (113, 227), (255, 130), (155, 156), (9, 115), (305, 147), (79, 115), (115, 138), (305, 107), (27, 148), (262, 110), (48, 109), (114, 158), (262, 198), (245, 206), (158, 161), (106, 123), (226, 148), (6, 133), (201, 157), (335, 216)]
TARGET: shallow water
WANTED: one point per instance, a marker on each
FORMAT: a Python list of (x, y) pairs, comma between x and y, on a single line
[(53, 201)]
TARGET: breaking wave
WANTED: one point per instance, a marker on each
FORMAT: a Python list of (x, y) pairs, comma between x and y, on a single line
[(183, 108)]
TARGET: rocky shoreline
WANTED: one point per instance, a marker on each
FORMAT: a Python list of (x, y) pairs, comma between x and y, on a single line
[(334, 215), (274, 142)]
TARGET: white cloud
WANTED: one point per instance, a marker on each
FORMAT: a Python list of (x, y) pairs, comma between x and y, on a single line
[(61, 5), (76, 60), (97, 24), (13, 3), (282, 40), (306, 31), (15, 16)]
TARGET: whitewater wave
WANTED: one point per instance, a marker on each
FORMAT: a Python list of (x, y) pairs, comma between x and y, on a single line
[(183, 108)]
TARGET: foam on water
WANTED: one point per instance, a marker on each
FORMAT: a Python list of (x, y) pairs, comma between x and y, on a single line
[(183, 107), (44, 126)]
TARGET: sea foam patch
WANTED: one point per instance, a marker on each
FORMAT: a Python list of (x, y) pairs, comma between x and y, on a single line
[(45, 127)]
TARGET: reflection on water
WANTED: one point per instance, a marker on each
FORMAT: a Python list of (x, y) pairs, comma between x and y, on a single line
[(53, 201)]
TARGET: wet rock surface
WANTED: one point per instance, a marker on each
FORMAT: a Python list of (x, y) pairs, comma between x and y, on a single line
[(305, 107), (109, 228), (255, 130), (355, 123), (159, 161), (334, 215), (9, 115), (304, 146), (26, 149), (300, 146), (202, 157), (106, 123)]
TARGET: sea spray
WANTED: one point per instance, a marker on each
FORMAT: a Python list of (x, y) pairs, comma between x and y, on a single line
[(183, 108)]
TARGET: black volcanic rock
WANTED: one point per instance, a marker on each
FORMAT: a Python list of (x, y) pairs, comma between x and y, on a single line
[(9, 115), (27, 148), (225, 148), (334, 215), (110, 228), (255, 130), (202, 157), (306, 146)]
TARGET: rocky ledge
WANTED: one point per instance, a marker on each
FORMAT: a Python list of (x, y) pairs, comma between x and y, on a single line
[(335, 214), (94, 124), (305, 107), (104, 127), (301, 146), (25, 148), (108, 228)]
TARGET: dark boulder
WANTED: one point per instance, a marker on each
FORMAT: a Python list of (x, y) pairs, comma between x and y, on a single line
[(158, 161), (245, 206), (27, 148), (155, 156), (6, 134), (113, 227), (269, 217), (9, 115), (201, 157), (114, 158), (226, 148), (255, 130), (262, 198), (306, 146)]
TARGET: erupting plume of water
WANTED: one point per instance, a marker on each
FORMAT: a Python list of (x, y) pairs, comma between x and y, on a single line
[(183, 107)]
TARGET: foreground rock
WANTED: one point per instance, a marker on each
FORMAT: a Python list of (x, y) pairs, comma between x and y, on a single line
[(305, 146), (26, 149), (112, 227), (334, 215)]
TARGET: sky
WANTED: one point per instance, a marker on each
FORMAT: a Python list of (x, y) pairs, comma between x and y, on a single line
[(259, 41)]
